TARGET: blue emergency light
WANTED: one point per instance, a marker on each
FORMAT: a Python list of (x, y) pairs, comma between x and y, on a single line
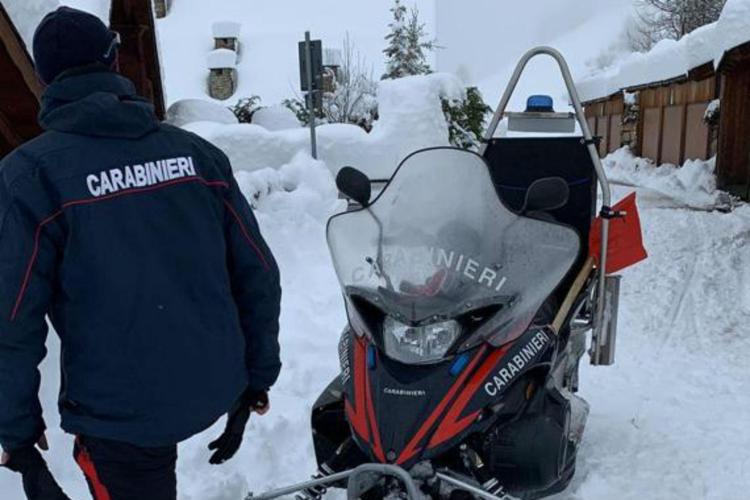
[(540, 104)]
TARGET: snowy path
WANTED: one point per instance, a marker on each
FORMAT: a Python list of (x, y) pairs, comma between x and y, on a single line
[(668, 420)]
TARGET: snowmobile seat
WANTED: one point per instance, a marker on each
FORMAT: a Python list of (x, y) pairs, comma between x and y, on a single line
[(515, 163)]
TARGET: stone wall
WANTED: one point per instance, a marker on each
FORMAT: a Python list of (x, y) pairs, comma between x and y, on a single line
[(222, 83)]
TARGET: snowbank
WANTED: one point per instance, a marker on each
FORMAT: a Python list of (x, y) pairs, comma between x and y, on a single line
[(187, 111), (411, 118), (275, 118), (693, 185)]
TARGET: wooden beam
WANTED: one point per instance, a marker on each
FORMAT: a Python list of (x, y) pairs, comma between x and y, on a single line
[(8, 134), (139, 54), (18, 54), (572, 294)]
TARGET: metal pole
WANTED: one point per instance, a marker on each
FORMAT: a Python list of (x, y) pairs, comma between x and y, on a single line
[(601, 176), (470, 488), (310, 96), (352, 475)]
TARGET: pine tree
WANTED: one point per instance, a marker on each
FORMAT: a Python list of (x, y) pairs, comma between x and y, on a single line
[(466, 119), (408, 44)]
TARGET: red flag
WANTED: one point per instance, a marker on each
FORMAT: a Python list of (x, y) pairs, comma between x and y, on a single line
[(625, 239)]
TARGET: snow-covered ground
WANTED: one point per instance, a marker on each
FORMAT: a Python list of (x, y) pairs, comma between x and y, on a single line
[(667, 420), (411, 118)]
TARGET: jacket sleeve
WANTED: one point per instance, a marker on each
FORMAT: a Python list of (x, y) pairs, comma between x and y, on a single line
[(255, 286), (27, 266)]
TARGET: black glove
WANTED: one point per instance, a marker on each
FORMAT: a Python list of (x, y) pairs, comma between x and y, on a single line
[(229, 442), (38, 483)]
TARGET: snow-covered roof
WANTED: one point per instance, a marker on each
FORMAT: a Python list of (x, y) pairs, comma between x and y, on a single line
[(671, 59), (227, 29), (733, 28), (221, 58)]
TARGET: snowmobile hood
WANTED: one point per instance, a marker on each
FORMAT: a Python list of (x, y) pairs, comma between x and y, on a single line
[(97, 103)]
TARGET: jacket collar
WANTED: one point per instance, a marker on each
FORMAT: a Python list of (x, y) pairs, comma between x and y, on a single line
[(97, 102)]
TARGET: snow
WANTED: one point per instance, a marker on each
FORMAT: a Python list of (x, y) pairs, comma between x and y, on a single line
[(332, 57), (713, 110), (581, 34), (227, 29), (221, 59), (668, 59), (733, 28), (276, 118), (26, 15), (270, 32), (187, 111), (411, 118), (693, 185), (667, 421)]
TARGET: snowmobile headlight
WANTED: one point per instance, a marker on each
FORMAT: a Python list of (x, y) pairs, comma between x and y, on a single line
[(418, 344)]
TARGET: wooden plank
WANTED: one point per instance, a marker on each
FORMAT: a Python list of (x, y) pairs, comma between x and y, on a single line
[(572, 294), (696, 132), (16, 51), (673, 131), (20, 89), (615, 133), (651, 135), (139, 56), (733, 166), (602, 130)]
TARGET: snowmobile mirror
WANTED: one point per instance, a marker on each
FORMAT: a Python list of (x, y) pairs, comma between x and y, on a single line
[(355, 185), (548, 193)]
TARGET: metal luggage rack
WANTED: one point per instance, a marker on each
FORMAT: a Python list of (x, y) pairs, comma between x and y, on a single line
[(359, 479)]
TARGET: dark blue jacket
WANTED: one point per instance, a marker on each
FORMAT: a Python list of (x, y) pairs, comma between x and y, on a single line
[(134, 238)]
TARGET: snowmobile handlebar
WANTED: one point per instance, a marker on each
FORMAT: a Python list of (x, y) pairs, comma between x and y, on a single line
[(600, 330)]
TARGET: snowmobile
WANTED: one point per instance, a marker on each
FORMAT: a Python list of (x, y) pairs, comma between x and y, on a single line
[(470, 287)]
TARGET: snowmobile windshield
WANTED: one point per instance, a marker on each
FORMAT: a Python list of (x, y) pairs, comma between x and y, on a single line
[(438, 244)]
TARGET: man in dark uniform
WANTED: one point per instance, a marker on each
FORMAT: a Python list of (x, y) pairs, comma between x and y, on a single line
[(133, 237)]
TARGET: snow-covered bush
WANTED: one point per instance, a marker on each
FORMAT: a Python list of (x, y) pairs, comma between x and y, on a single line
[(245, 108), (713, 112), (353, 98), (408, 44), (466, 118)]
